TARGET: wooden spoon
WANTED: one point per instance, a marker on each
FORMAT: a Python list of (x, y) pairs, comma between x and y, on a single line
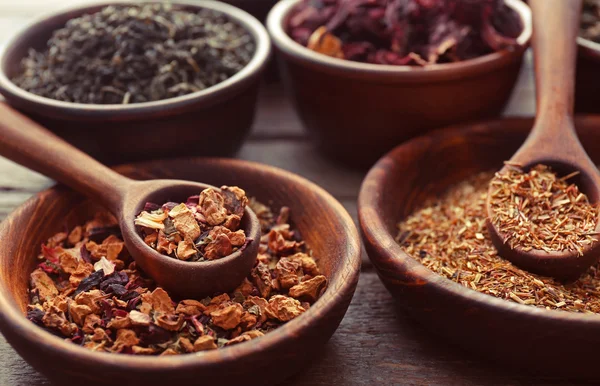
[(553, 140), (30, 145)]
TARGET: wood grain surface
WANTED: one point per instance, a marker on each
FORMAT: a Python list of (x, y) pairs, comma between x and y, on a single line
[(376, 343)]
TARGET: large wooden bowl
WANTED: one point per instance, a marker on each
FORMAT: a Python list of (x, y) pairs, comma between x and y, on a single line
[(324, 224), (211, 122), (538, 340), (356, 112)]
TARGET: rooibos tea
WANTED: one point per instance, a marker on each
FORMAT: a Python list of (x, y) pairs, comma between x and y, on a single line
[(449, 236), (136, 53), (538, 210)]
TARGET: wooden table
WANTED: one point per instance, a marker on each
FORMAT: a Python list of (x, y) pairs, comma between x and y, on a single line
[(376, 343)]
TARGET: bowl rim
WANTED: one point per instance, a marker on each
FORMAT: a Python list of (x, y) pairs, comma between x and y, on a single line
[(285, 44), (589, 47), (13, 322), (211, 95), (391, 257)]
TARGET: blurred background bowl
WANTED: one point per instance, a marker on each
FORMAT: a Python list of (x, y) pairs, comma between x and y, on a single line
[(357, 111), (587, 80), (539, 341), (211, 122), (324, 224)]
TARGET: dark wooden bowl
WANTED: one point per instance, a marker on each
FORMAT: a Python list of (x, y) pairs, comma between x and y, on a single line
[(587, 81), (200, 123), (324, 224), (538, 340), (358, 111)]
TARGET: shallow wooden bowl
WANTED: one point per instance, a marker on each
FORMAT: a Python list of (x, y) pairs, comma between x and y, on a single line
[(357, 111), (587, 81), (325, 225), (538, 340), (201, 123)]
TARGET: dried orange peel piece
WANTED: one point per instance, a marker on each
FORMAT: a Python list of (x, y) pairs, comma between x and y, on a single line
[(323, 42)]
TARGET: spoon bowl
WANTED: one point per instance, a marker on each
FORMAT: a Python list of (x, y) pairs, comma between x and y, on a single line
[(27, 143), (187, 279), (553, 140)]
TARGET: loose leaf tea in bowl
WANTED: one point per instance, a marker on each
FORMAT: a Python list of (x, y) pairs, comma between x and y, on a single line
[(539, 210), (404, 32), (92, 293), (136, 53), (205, 227), (449, 236)]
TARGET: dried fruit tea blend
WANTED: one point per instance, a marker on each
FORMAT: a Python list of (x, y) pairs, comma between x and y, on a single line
[(449, 236), (205, 227), (88, 290)]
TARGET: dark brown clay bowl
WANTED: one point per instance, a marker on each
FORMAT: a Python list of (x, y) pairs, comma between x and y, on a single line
[(358, 111), (538, 340), (211, 122), (324, 224), (587, 81)]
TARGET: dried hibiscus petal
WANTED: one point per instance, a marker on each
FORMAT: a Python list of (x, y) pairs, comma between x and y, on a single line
[(90, 282), (404, 32)]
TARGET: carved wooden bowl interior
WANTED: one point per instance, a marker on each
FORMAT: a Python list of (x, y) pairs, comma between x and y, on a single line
[(539, 340), (322, 221)]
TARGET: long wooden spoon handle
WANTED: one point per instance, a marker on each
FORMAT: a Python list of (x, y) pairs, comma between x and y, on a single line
[(555, 29), (27, 143)]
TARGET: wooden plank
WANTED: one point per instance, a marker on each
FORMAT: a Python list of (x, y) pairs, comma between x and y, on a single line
[(375, 344), (275, 115)]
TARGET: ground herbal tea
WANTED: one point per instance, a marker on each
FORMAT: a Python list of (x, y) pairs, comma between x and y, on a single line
[(404, 32), (590, 21), (539, 210), (205, 227), (88, 290), (449, 236), (136, 53)]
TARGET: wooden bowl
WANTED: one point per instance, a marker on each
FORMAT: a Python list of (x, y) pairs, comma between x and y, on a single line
[(358, 111), (200, 123), (534, 339), (587, 81), (324, 224)]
